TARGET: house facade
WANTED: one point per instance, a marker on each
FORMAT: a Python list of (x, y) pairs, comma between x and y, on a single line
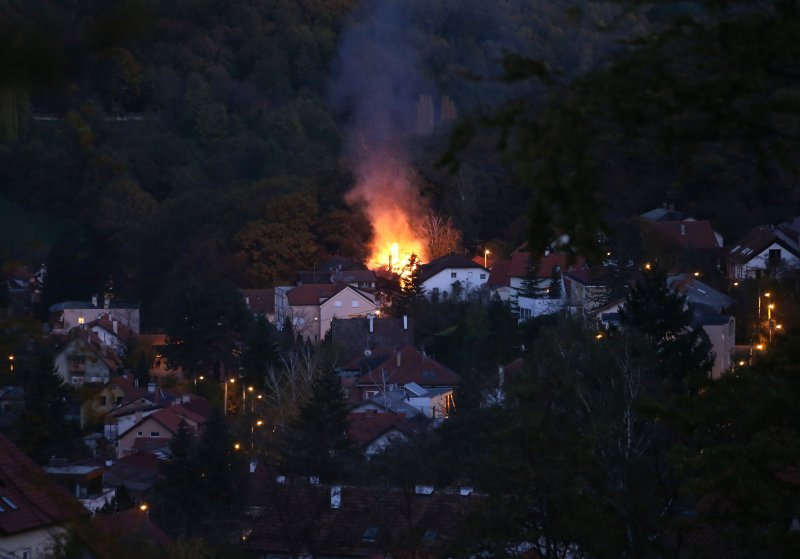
[(69, 314), (311, 308), (84, 359), (764, 252), (438, 276)]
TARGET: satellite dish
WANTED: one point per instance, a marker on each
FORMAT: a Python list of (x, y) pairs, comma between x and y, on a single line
[(367, 352)]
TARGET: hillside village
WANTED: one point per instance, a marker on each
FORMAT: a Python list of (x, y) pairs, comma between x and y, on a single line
[(254, 383)]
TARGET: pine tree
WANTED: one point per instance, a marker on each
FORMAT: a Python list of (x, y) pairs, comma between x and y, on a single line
[(178, 496), (663, 316), (317, 442)]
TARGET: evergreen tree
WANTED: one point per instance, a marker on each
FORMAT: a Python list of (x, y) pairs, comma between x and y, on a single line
[(178, 494), (663, 316), (222, 473), (317, 442), (43, 427)]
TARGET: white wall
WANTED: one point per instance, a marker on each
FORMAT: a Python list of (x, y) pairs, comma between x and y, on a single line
[(470, 279), (38, 543), (761, 262)]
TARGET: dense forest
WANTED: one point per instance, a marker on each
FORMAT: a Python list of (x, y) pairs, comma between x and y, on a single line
[(145, 141)]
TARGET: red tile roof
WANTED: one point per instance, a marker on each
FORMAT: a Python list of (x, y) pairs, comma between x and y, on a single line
[(754, 243), (414, 367), (446, 262), (367, 426), (38, 500), (543, 269), (260, 301), (499, 276), (681, 235), (119, 531), (105, 322), (312, 294)]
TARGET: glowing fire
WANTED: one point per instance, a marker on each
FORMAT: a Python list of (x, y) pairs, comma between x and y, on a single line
[(392, 206)]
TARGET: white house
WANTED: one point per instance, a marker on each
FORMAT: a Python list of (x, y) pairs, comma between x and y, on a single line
[(438, 276), (69, 314), (764, 252)]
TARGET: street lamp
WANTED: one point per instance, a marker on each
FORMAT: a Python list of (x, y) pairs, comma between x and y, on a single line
[(231, 380), (485, 254)]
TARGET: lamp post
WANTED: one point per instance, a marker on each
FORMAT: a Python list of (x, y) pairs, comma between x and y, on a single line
[(485, 254), (770, 308), (231, 381)]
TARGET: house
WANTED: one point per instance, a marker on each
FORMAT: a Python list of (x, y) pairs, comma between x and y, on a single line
[(372, 432), (138, 472), (438, 276), (697, 292), (668, 213), (34, 509), (112, 395), (67, 315), (691, 244), (366, 280), (311, 308), (82, 481), (538, 285), (294, 518), (588, 289), (355, 335), (499, 282), (721, 332), (764, 252), (386, 367), (24, 290), (82, 358), (388, 401), (260, 302), (494, 389), (111, 333), (126, 530), (154, 431)]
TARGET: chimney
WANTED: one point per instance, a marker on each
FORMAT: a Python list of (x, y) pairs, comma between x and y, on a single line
[(423, 489), (371, 323), (397, 357), (336, 496), (247, 301), (115, 326), (405, 322), (683, 229), (94, 300), (106, 301)]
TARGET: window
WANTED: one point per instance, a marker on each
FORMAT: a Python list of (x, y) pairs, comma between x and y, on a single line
[(452, 275), (101, 401), (338, 304), (355, 304), (118, 400), (524, 314), (155, 433), (483, 276), (81, 320), (138, 433), (774, 256), (77, 380)]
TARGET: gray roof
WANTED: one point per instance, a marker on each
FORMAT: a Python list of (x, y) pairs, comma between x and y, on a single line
[(88, 305), (703, 315), (698, 292)]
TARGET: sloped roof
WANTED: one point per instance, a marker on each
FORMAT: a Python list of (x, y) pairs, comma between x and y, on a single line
[(446, 262), (37, 500), (499, 276), (664, 214), (414, 367), (105, 322), (170, 417), (312, 294), (368, 521), (88, 305), (365, 427), (543, 269), (682, 235), (353, 335), (757, 241), (698, 292), (260, 301), (123, 529)]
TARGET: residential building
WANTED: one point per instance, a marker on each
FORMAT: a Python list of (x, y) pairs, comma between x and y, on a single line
[(260, 302), (438, 276), (82, 358), (69, 314), (154, 431), (764, 252), (682, 245), (721, 331), (311, 308), (372, 432), (356, 335), (112, 333), (82, 481), (34, 509)]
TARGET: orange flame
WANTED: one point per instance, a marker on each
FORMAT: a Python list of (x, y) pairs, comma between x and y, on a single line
[(393, 206)]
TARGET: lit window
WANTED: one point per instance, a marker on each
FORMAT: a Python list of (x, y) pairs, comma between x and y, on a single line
[(81, 320)]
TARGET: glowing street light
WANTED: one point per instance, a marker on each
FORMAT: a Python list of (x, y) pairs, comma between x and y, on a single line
[(485, 254)]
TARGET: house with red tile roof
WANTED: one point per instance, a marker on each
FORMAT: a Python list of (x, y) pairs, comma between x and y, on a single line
[(682, 245), (764, 252), (112, 333), (34, 509), (154, 431), (260, 302), (312, 307), (386, 367), (372, 432), (82, 358)]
